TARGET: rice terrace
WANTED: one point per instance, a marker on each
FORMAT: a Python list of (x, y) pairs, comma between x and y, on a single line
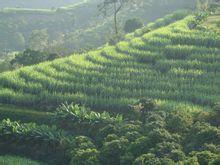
[(114, 82)]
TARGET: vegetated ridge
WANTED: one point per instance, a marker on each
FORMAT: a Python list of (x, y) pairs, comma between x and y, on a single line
[(171, 64)]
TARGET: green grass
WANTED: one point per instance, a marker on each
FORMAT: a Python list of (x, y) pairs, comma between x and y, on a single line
[(24, 114), (14, 160), (170, 64)]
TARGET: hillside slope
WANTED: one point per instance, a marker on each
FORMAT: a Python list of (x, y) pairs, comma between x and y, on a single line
[(36, 3), (70, 28), (172, 63)]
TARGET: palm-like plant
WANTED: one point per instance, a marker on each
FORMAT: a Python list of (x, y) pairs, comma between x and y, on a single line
[(78, 114), (30, 137)]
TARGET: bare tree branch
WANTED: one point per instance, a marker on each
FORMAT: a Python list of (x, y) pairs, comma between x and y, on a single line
[(113, 7)]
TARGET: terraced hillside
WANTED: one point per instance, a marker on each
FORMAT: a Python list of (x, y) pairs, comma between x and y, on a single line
[(171, 64)]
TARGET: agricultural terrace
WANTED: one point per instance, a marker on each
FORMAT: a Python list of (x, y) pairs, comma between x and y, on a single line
[(170, 64)]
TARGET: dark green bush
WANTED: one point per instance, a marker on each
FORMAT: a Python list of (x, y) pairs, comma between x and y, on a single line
[(132, 24)]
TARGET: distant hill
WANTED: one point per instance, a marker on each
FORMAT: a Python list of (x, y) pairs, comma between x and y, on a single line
[(71, 28), (36, 3)]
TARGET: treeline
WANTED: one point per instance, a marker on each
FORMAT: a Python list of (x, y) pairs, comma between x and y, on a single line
[(26, 58), (64, 32)]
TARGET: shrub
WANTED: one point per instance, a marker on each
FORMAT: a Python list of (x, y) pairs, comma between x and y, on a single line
[(177, 155), (112, 151), (179, 121), (30, 57), (140, 145), (148, 159), (204, 157), (85, 157), (132, 24)]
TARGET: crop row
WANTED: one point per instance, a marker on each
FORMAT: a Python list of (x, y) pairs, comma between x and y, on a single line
[(161, 65)]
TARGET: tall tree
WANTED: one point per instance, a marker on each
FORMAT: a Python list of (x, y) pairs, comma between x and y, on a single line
[(113, 7)]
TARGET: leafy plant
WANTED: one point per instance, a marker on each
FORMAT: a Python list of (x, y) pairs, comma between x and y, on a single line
[(79, 114)]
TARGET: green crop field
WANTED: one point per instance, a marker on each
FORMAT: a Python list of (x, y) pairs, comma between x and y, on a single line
[(152, 98), (24, 114), (172, 64)]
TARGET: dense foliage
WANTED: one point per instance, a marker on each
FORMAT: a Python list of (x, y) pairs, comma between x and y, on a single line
[(163, 138), (31, 57), (75, 113), (39, 142), (133, 24)]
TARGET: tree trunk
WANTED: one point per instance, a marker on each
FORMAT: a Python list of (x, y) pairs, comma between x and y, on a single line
[(115, 19)]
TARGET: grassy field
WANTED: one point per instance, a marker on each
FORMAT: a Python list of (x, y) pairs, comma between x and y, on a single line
[(24, 114), (172, 63), (14, 160)]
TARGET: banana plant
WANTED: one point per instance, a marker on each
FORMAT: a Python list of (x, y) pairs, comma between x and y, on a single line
[(80, 114)]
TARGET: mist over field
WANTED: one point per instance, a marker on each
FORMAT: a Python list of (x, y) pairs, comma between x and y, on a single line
[(42, 4)]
